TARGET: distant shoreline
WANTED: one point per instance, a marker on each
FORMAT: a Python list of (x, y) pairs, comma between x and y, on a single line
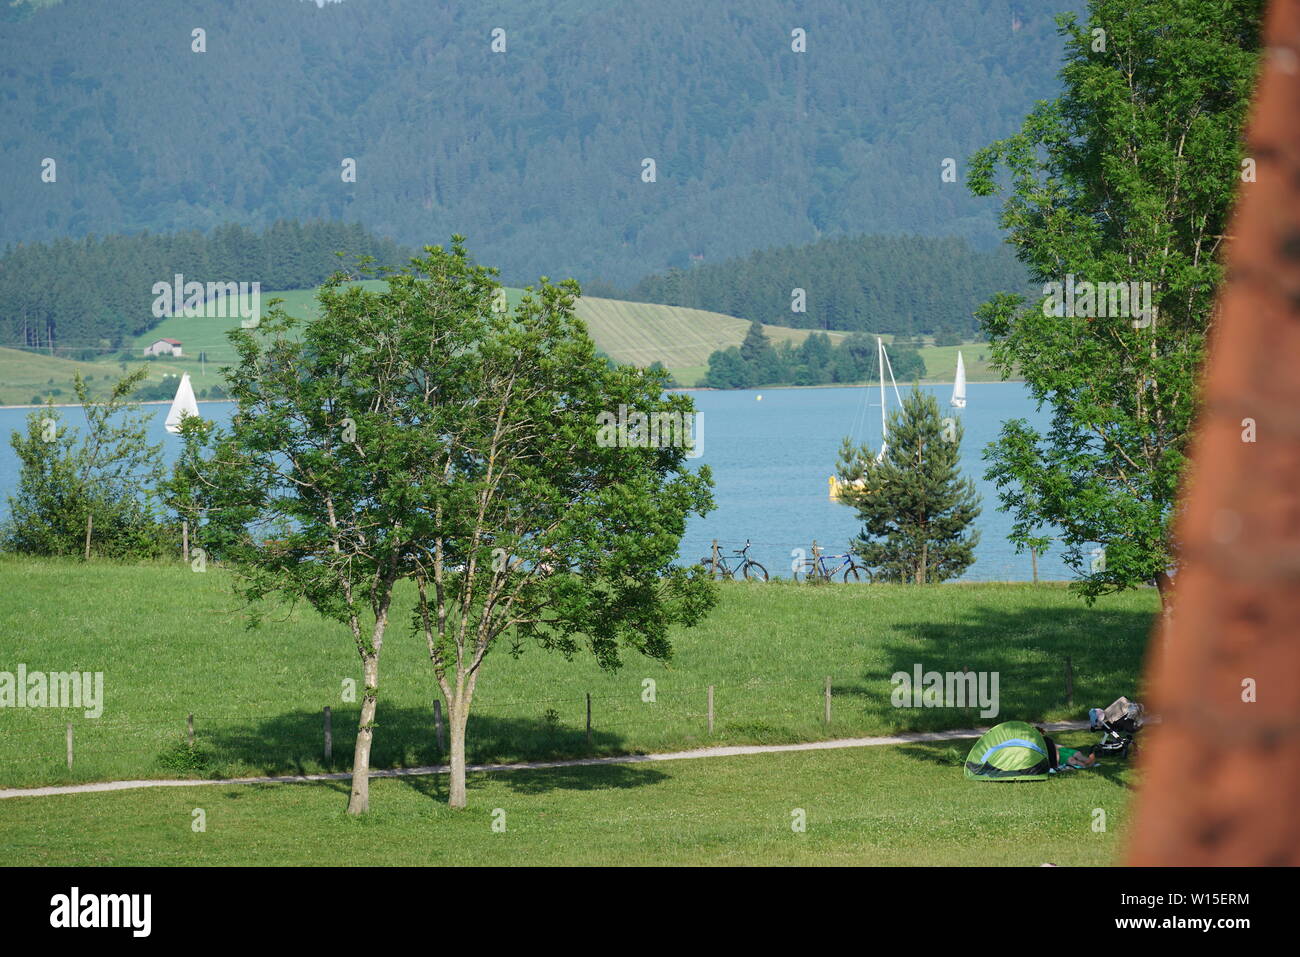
[(676, 388), (77, 405), (830, 385)]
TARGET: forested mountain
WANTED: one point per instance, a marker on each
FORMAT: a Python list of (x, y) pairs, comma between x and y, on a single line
[(535, 153), (83, 298), (905, 285)]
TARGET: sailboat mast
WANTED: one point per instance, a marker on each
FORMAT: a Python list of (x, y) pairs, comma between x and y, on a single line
[(880, 348)]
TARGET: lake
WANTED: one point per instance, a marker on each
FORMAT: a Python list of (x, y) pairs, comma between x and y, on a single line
[(770, 459)]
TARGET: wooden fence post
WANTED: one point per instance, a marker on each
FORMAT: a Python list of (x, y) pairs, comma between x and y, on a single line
[(185, 540), (714, 569), (437, 725), (90, 523), (189, 726), (1069, 681), (329, 735), (828, 699), (588, 719), (710, 709), (69, 745)]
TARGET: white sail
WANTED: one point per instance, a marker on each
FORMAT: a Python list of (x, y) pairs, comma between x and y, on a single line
[(184, 404), (959, 386), (838, 488), (884, 425)]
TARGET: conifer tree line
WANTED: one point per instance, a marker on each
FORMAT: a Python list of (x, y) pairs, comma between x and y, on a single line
[(533, 152), (815, 361), (907, 285), (82, 298)]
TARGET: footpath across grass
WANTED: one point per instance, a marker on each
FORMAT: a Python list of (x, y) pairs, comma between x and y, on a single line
[(861, 806), (171, 642)]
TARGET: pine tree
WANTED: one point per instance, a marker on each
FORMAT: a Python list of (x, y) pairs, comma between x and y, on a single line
[(915, 508), (756, 344)]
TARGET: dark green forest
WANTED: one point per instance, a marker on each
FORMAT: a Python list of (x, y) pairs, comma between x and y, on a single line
[(534, 153), (815, 361), (84, 297), (904, 285)]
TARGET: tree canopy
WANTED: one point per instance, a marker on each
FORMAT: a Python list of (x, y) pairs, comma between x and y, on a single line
[(428, 434), (1119, 194)]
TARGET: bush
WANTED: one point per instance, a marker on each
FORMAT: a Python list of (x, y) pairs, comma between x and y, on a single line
[(186, 758), (105, 477)]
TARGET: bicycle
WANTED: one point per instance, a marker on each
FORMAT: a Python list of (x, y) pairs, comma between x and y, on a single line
[(751, 569), (820, 569)]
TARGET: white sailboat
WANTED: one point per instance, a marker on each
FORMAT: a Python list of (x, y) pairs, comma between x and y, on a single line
[(184, 404), (958, 400), (837, 488), (884, 421)]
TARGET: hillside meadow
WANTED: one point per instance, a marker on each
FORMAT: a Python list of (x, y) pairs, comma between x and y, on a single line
[(639, 333)]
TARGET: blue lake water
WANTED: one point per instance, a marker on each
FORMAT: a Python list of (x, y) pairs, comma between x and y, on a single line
[(770, 459)]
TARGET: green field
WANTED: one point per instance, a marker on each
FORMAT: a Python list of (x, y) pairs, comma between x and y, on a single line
[(633, 332), (27, 375), (172, 642), (863, 806)]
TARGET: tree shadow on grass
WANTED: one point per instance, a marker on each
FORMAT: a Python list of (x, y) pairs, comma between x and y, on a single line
[(600, 777), (293, 743), (1027, 649), (949, 755)]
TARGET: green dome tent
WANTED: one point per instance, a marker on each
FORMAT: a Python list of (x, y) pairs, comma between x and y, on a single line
[(1012, 751)]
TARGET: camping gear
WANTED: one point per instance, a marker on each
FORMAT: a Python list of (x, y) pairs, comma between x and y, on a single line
[(1118, 724), (1011, 751)]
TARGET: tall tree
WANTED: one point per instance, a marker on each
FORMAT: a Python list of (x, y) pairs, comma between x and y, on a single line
[(424, 434), (916, 509), (1127, 178)]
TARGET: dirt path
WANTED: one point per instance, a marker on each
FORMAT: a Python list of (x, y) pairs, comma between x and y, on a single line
[(722, 751)]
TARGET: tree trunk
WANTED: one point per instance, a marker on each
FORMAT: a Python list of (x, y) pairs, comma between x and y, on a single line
[(1165, 586), (359, 802), (458, 718)]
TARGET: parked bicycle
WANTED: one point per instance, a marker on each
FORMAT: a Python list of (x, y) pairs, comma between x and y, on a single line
[(826, 567), (750, 569)]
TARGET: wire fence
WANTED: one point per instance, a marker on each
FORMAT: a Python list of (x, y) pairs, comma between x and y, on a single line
[(773, 709)]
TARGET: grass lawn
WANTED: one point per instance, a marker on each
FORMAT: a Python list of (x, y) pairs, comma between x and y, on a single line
[(171, 642), (863, 806)]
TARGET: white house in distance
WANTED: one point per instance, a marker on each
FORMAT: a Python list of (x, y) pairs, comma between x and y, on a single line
[(163, 347)]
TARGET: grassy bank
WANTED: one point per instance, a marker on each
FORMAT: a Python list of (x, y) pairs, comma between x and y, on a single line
[(172, 642)]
